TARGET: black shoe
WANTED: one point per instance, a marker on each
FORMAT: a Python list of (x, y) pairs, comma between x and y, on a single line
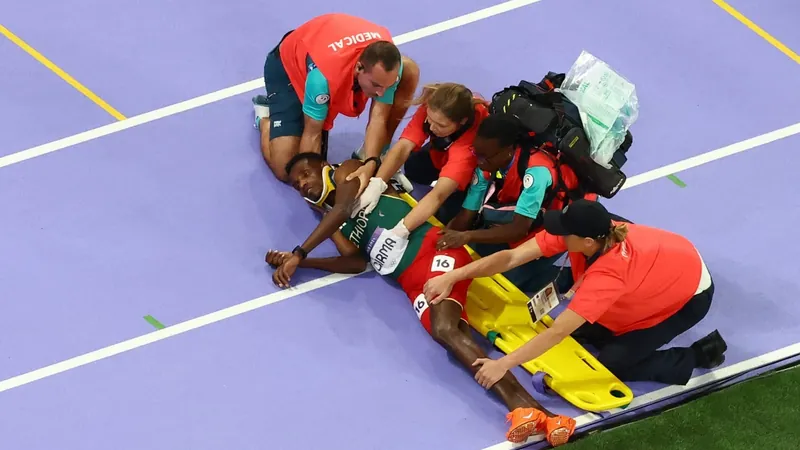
[(710, 351)]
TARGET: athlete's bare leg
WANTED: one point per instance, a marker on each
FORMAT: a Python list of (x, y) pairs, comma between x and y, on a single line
[(278, 151), (452, 333), (526, 415)]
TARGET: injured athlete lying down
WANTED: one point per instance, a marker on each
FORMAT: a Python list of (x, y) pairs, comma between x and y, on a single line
[(410, 261)]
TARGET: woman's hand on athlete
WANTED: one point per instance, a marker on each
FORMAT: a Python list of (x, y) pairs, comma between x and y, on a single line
[(283, 274), (275, 258), (370, 197), (437, 289), (451, 239), (491, 371)]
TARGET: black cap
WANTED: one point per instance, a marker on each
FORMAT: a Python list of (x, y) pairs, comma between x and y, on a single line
[(582, 218)]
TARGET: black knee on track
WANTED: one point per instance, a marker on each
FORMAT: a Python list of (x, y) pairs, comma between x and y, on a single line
[(616, 363)]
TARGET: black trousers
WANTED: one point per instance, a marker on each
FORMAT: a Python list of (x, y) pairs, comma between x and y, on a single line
[(634, 356), (419, 169)]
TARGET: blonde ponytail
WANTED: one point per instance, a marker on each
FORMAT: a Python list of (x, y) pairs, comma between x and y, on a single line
[(616, 235)]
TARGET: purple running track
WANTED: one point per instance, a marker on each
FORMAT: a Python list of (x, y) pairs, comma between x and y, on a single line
[(36, 106), (172, 219)]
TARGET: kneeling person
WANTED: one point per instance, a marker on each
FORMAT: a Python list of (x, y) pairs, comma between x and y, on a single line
[(633, 289), (333, 64), (411, 261), (514, 182)]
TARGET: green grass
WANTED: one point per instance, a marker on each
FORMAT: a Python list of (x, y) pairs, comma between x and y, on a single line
[(761, 413)]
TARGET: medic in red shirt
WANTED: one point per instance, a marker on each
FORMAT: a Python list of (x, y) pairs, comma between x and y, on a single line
[(333, 64), (435, 146), (631, 290)]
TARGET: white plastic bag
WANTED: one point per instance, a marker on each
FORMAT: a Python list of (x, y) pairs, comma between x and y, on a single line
[(607, 102)]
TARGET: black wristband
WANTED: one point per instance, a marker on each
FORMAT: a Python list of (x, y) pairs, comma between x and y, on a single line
[(299, 251), (377, 162)]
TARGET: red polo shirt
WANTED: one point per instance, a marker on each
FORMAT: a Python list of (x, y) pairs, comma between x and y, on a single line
[(635, 285), (457, 163)]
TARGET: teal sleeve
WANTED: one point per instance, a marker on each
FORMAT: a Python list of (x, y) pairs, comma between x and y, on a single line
[(388, 96), (476, 192), (535, 182), (317, 96)]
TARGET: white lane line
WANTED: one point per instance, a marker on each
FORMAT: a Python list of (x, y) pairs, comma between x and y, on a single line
[(669, 391), (171, 331), (705, 158), (275, 297), (242, 88), (335, 278)]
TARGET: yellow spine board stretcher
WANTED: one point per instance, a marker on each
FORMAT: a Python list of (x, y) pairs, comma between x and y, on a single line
[(499, 311)]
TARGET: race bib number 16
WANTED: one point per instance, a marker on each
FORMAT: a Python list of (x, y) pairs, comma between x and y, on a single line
[(443, 263), (420, 305)]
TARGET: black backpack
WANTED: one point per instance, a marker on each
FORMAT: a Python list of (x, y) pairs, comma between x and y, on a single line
[(554, 124)]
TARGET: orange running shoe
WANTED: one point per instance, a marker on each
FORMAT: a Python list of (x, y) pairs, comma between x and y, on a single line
[(524, 422), (558, 429)]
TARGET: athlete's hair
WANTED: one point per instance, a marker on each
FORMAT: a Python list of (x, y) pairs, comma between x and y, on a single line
[(616, 235), (454, 100), (383, 52), (505, 128), (307, 156)]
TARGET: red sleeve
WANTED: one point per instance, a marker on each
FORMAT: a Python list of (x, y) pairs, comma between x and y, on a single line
[(414, 131), (460, 165), (549, 244), (600, 289)]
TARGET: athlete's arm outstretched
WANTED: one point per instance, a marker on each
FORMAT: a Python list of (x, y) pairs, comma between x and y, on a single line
[(349, 261), (345, 193)]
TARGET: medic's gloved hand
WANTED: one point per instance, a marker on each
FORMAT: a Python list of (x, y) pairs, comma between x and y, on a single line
[(370, 197), (400, 230)]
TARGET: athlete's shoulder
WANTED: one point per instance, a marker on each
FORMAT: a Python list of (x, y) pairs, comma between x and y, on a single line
[(346, 168)]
